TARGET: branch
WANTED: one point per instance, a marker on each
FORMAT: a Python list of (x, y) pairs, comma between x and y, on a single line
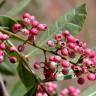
[(34, 45)]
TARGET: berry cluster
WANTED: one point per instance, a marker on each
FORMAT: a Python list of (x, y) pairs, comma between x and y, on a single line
[(69, 56), (3, 38), (71, 91), (3, 47), (68, 48), (51, 88), (29, 27)]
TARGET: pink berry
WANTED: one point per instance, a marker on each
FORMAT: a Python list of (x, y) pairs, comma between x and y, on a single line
[(91, 76), (26, 15), (16, 27), (81, 81), (5, 37), (64, 51), (26, 21), (64, 92), (32, 18), (65, 64), (65, 71), (34, 23), (51, 58), (34, 31), (21, 48), (66, 33), (37, 65), (76, 49), (12, 49), (53, 65), (71, 39), (25, 31), (71, 54), (62, 44), (71, 45), (13, 59), (52, 87), (2, 53), (57, 58), (2, 46), (50, 43), (42, 27), (58, 37), (71, 89)]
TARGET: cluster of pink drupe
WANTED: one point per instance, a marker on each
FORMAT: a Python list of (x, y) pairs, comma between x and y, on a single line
[(29, 26), (3, 38), (68, 54), (4, 47), (52, 87), (67, 49)]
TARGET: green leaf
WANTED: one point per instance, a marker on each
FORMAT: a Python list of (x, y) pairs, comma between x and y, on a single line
[(7, 68), (32, 91), (26, 76), (91, 91), (18, 8), (73, 21), (7, 22), (18, 90)]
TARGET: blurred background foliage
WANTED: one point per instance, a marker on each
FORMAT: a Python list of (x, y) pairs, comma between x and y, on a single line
[(48, 11)]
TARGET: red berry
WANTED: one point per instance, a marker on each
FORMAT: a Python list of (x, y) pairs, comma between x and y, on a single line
[(37, 65), (34, 23), (91, 76), (34, 31), (65, 64), (2, 46), (51, 58), (50, 43), (25, 31), (65, 71), (5, 37), (57, 58), (16, 27), (58, 37), (12, 49), (21, 48), (71, 39), (71, 54), (26, 15), (64, 51), (81, 81), (32, 18), (26, 21), (66, 33), (13, 59), (71, 45), (42, 27)]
